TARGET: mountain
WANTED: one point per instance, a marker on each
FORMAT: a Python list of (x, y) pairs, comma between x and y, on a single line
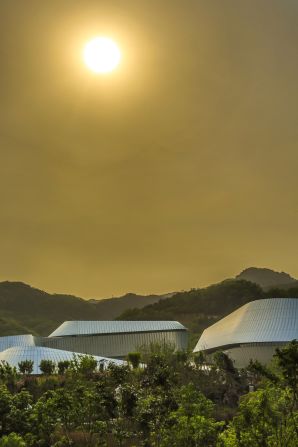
[(267, 278), (112, 307), (25, 309)]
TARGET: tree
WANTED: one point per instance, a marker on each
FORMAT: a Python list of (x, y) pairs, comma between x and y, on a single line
[(63, 365), (199, 358), (26, 366), (18, 419), (8, 374), (191, 424), (47, 367), (134, 358), (83, 365), (6, 400), (287, 360), (12, 440), (264, 419)]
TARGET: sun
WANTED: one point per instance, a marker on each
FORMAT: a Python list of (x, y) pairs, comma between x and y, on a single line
[(102, 55)]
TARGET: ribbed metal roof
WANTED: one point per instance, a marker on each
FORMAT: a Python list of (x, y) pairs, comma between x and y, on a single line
[(114, 327), (16, 340), (268, 320), (35, 353)]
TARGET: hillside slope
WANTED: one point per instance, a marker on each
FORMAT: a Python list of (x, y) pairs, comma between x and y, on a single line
[(110, 308), (267, 278), (24, 309)]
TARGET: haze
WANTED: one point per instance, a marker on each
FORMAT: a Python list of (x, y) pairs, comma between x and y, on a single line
[(177, 170)]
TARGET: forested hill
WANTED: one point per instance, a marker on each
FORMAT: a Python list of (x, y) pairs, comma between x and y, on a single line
[(199, 308), (24, 309), (268, 278)]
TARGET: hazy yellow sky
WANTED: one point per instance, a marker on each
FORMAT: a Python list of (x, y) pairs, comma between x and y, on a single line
[(176, 170)]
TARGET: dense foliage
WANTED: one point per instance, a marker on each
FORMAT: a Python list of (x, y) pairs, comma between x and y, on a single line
[(169, 399)]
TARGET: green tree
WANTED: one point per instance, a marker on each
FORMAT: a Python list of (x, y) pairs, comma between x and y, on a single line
[(85, 365), (264, 419), (63, 366), (191, 425), (134, 359), (26, 366), (287, 360), (8, 374), (6, 403), (47, 367), (12, 440), (18, 419)]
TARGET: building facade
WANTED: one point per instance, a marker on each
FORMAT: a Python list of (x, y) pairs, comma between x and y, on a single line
[(116, 339), (253, 331), (107, 341)]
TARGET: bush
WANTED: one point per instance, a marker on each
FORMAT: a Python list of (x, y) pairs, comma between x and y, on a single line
[(47, 367), (12, 440), (134, 358), (26, 366)]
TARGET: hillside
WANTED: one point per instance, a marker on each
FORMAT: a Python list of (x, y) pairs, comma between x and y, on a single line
[(267, 278), (112, 307), (199, 308), (24, 309)]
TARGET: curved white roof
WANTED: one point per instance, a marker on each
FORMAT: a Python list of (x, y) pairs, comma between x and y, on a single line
[(36, 353), (16, 340), (268, 320), (114, 327)]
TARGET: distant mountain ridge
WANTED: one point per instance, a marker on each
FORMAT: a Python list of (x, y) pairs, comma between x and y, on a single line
[(112, 307), (267, 278), (25, 309)]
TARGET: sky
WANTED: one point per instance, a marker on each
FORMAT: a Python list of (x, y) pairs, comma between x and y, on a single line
[(177, 170)]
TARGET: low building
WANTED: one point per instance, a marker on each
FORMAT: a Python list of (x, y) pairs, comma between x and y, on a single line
[(106, 341), (36, 354), (115, 339), (253, 331)]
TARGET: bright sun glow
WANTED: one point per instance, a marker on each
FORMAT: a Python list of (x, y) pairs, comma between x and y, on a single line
[(102, 55)]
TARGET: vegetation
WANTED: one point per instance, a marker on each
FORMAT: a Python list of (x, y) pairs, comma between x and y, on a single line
[(25, 309), (169, 399)]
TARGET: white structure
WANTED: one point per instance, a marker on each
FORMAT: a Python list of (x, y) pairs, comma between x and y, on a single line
[(253, 331), (116, 339), (16, 340), (104, 340), (17, 354)]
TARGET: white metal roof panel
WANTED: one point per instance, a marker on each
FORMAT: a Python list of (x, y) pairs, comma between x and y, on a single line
[(268, 320), (16, 340), (35, 353), (114, 327)]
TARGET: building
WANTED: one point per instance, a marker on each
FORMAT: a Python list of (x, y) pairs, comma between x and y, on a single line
[(107, 341), (116, 339), (17, 354), (253, 331)]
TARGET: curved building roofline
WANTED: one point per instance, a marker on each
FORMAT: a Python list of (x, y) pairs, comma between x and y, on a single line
[(73, 328), (17, 354), (267, 320)]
